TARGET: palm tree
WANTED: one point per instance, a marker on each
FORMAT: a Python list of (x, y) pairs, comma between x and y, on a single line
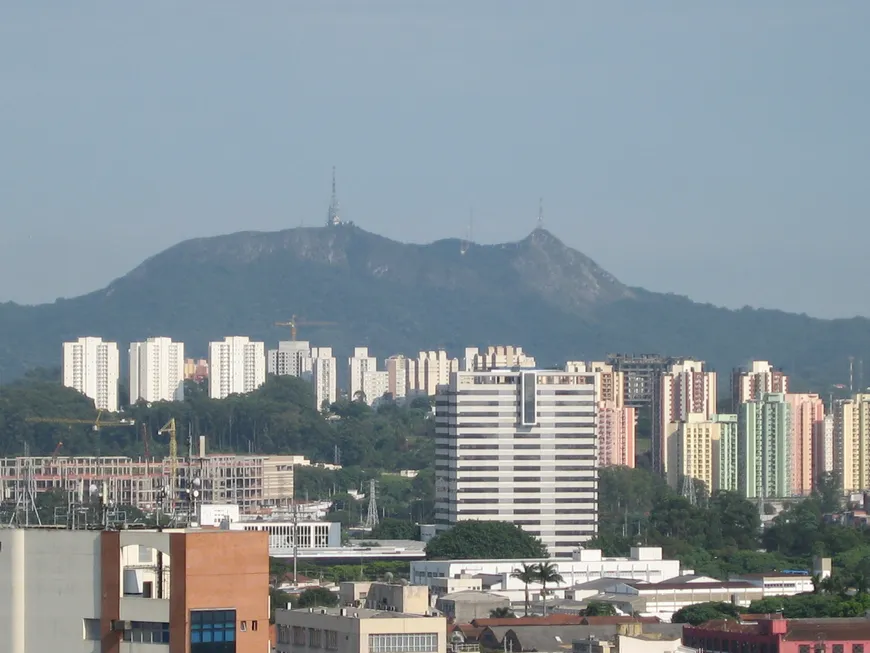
[(548, 574), (526, 574)]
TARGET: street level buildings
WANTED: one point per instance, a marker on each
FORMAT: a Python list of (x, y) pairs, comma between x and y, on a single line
[(519, 446), (91, 366), (91, 591), (156, 370), (236, 366)]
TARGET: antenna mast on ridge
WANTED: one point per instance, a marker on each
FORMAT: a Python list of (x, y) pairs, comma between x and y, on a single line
[(333, 218), (540, 213), (372, 516)]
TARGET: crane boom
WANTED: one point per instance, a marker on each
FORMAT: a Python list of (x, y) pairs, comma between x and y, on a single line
[(295, 322)]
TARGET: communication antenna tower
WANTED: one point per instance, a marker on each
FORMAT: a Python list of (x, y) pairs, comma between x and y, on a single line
[(851, 374), (465, 244), (540, 213), (372, 516), (333, 217)]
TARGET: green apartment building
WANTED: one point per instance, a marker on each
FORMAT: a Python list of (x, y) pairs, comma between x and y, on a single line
[(764, 447)]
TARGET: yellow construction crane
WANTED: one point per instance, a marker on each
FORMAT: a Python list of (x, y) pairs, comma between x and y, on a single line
[(169, 428), (295, 322)]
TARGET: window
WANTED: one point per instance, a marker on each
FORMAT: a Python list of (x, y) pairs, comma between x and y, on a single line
[(298, 636), (837, 648), (254, 625), (331, 640), (857, 648), (804, 648), (91, 629), (315, 638), (147, 632), (213, 631), (404, 643)]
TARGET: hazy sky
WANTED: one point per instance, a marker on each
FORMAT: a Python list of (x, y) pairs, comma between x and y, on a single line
[(718, 150)]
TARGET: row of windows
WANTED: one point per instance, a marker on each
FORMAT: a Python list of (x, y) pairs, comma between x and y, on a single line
[(404, 643)]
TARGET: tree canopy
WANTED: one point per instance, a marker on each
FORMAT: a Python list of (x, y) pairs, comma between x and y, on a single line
[(317, 597), (701, 612), (484, 539)]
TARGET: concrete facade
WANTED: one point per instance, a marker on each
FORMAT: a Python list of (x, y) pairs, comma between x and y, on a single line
[(756, 379), (156, 370), (728, 453), (91, 366), (519, 446), (137, 591), (291, 358), (807, 420), (324, 376), (852, 442), (236, 366), (765, 434), (358, 630)]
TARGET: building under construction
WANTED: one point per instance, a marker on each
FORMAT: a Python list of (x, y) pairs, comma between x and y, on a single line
[(252, 482)]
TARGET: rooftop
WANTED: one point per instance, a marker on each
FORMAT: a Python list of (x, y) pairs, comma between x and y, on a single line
[(358, 613)]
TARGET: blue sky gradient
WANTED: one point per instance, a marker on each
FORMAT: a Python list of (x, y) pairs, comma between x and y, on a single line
[(718, 150)]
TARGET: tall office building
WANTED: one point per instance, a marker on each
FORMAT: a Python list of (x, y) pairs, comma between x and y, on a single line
[(236, 366), (852, 442), (729, 453), (91, 366), (685, 389), (291, 358), (749, 383), (499, 357), (519, 446), (764, 456), (807, 419), (433, 369), (397, 376), (324, 375), (156, 370), (693, 452)]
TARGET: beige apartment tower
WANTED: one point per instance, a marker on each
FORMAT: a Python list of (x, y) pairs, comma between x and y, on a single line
[(852, 442)]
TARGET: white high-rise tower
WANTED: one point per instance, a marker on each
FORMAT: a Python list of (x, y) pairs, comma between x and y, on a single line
[(519, 446), (91, 367), (156, 370), (236, 365)]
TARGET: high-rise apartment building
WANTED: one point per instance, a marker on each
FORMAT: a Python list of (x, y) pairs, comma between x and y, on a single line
[(291, 358), (693, 451), (195, 370), (765, 437), (729, 465), (91, 366), (807, 420), (366, 381), (324, 375), (685, 389), (609, 383), (615, 429), (759, 377), (156, 370), (433, 369), (641, 373), (519, 446), (823, 448), (397, 376), (500, 357), (852, 442), (236, 366)]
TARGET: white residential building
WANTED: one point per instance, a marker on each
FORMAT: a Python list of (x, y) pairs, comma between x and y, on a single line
[(324, 375), (499, 357), (433, 369), (397, 376), (365, 379), (519, 447), (236, 366), (91, 367), (156, 370), (292, 358), (643, 564)]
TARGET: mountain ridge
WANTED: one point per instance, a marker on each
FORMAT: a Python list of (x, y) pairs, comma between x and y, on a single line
[(399, 298)]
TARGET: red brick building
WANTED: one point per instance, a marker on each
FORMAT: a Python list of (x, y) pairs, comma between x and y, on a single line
[(778, 635)]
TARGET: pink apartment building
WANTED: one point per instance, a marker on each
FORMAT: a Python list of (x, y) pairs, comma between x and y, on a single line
[(807, 421), (616, 433)]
